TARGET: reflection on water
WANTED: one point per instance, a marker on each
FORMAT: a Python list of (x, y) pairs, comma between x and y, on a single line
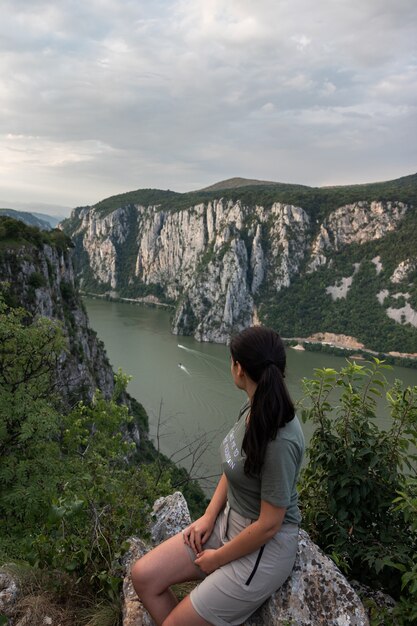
[(186, 386)]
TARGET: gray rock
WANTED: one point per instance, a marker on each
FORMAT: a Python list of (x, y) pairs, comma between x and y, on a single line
[(170, 515), (355, 223), (9, 592), (210, 259), (316, 593), (213, 259), (134, 614), (374, 597)]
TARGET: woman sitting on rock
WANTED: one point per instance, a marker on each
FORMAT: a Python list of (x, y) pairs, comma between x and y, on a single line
[(244, 546)]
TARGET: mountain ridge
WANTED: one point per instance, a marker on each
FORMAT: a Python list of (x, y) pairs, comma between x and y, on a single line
[(317, 201), (31, 219), (313, 262)]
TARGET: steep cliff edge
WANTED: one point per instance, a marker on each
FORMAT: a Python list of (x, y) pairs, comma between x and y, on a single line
[(39, 273), (224, 261), (210, 260)]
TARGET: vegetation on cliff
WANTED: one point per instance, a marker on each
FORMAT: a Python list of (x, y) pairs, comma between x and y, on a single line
[(359, 487), (16, 233), (73, 487), (306, 307), (288, 294), (317, 201)]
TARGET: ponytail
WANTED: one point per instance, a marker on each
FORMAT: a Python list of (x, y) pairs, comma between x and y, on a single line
[(261, 354)]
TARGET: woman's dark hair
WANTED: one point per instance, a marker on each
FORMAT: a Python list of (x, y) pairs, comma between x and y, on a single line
[(261, 353)]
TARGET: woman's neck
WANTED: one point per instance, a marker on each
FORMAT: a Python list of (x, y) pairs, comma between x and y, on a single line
[(250, 388)]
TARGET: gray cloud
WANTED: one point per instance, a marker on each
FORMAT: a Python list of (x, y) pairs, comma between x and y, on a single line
[(110, 95)]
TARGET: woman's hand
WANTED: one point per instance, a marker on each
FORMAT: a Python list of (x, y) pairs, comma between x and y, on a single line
[(198, 532), (208, 561)]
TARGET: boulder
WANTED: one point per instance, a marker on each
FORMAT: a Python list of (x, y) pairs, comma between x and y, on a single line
[(134, 613), (9, 592), (316, 593), (170, 515)]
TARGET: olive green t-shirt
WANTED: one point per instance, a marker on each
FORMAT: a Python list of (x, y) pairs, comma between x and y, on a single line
[(277, 482)]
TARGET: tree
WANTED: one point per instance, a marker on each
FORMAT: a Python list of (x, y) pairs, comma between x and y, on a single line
[(356, 470), (29, 421)]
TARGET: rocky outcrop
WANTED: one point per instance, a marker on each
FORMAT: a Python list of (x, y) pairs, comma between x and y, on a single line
[(9, 592), (41, 279), (316, 593), (340, 290), (402, 271), (404, 314), (210, 259), (355, 223), (218, 262)]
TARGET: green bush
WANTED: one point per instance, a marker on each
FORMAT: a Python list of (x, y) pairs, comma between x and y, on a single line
[(71, 494), (406, 502), (36, 280), (355, 472)]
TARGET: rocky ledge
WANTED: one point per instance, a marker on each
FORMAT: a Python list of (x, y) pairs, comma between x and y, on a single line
[(316, 593)]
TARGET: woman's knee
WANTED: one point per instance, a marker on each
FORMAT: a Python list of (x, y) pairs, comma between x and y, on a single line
[(143, 575)]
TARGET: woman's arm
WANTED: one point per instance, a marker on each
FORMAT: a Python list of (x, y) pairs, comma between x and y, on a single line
[(248, 540), (199, 531)]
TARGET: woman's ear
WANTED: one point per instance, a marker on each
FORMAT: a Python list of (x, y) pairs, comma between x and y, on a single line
[(240, 371)]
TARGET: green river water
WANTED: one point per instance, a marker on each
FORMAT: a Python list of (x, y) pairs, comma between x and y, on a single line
[(185, 386)]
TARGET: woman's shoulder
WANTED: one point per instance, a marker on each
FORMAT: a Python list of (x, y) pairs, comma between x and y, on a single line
[(292, 432), (244, 409)]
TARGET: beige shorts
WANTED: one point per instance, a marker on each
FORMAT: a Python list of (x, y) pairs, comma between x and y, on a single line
[(233, 592)]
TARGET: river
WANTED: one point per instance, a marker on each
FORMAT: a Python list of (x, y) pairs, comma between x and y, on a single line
[(186, 386)]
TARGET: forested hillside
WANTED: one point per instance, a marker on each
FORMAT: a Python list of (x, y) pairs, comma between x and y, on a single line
[(312, 303), (78, 472), (305, 260), (75, 486)]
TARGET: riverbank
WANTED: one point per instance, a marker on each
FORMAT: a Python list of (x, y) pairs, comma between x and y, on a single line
[(150, 300), (344, 345), (330, 343)]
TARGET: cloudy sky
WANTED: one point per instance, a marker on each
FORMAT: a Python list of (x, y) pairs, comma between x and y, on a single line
[(100, 97)]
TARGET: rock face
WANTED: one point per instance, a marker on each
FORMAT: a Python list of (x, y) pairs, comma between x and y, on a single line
[(316, 593), (355, 223), (42, 280), (170, 516), (9, 592), (218, 262), (211, 260)]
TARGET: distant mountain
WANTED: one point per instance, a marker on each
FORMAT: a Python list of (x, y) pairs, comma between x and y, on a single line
[(52, 220), (236, 183), (304, 260), (56, 211), (44, 222)]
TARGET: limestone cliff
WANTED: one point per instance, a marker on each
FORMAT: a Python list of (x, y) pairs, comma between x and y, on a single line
[(41, 278), (220, 262), (211, 259), (355, 223)]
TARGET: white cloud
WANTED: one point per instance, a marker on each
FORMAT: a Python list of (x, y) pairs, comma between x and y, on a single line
[(119, 94), (328, 88), (300, 82), (301, 41)]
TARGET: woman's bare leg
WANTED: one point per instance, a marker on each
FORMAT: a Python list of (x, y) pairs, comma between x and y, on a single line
[(184, 614), (154, 573)]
